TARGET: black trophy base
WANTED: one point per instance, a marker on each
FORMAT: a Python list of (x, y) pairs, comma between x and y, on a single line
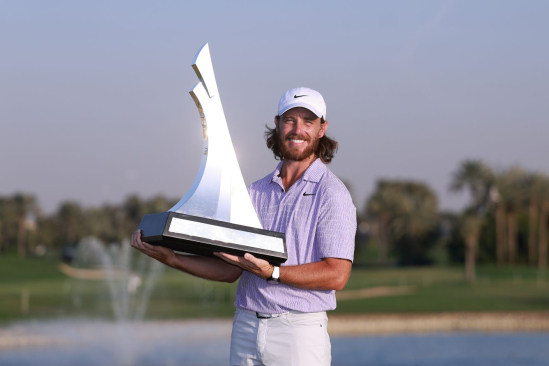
[(202, 236)]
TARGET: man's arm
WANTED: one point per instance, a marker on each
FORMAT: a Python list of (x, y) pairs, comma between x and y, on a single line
[(328, 274), (336, 225), (205, 267)]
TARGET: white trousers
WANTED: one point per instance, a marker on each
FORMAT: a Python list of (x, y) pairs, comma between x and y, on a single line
[(292, 339)]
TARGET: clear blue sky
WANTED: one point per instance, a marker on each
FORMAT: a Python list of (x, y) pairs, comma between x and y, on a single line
[(94, 100)]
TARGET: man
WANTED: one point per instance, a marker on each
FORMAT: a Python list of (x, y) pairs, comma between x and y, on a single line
[(281, 311)]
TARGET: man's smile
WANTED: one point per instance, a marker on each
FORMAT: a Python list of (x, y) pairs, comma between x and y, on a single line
[(296, 139)]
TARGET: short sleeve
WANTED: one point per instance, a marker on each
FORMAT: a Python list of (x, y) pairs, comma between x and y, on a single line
[(336, 228)]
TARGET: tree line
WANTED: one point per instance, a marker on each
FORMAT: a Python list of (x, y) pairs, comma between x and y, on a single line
[(505, 221), (24, 227)]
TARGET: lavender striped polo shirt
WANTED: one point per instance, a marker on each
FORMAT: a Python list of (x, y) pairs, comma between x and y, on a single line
[(318, 225)]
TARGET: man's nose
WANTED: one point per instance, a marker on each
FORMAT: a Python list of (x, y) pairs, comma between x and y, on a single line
[(298, 127)]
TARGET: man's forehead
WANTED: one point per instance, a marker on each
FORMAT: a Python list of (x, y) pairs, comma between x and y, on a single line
[(300, 112)]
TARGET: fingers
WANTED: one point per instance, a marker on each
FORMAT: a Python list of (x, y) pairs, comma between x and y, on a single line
[(136, 236), (248, 262), (264, 268), (230, 257), (147, 245), (136, 240), (140, 245), (256, 261), (234, 260), (160, 253)]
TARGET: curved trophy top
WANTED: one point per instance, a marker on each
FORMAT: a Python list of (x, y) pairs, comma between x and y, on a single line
[(202, 65), (218, 191)]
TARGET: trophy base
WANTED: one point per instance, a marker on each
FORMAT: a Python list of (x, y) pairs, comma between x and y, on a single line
[(202, 236)]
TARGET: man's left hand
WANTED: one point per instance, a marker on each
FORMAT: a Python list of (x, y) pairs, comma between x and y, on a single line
[(249, 263), (157, 252)]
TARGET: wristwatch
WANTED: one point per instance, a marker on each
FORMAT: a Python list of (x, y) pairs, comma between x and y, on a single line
[(275, 276)]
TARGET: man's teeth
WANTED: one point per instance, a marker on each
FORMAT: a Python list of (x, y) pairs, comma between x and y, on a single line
[(297, 141)]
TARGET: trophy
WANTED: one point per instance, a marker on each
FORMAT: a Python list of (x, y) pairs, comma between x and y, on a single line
[(216, 214)]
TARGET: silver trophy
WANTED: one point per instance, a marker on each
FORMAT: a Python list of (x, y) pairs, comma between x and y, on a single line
[(217, 214)]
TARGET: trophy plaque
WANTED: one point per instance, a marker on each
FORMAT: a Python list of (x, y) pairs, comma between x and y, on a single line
[(216, 214)]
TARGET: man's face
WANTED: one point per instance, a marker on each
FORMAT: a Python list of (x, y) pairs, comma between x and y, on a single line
[(300, 132)]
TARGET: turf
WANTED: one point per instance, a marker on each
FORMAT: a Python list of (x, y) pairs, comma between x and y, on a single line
[(51, 294)]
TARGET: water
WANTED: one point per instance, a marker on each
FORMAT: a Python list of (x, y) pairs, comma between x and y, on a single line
[(99, 343), (444, 349), (198, 343)]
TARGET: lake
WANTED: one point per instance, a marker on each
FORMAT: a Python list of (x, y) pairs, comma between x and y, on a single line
[(85, 342)]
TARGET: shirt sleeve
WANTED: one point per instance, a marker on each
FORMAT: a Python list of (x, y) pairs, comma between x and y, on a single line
[(336, 228)]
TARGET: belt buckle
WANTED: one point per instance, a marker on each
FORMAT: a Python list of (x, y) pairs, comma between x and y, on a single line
[(268, 316)]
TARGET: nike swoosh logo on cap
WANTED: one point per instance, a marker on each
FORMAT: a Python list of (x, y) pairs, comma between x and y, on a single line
[(299, 96)]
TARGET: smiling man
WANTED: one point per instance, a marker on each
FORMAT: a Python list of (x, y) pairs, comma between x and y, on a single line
[(281, 311)]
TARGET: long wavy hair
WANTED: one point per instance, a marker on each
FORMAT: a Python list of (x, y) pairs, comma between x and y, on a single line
[(327, 146)]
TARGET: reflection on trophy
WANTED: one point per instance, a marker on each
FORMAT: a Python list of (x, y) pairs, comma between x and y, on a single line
[(217, 214)]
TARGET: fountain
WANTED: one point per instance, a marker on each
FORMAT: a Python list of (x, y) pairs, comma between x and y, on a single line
[(129, 281)]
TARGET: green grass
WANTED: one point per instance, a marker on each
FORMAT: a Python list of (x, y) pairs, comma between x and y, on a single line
[(444, 289), (54, 295), (176, 295)]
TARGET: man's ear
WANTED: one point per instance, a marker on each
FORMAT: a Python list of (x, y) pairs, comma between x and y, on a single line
[(323, 128), (276, 123)]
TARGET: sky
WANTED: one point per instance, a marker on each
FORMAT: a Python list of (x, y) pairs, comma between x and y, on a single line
[(94, 101)]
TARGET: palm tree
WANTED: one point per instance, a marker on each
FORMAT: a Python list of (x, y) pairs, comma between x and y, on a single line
[(418, 211), (478, 179), (25, 205), (405, 210), (470, 226), (71, 221), (534, 186), (501, 233), (543, 215), (383, 205), (8, 221), (134, 208), (512, 194)]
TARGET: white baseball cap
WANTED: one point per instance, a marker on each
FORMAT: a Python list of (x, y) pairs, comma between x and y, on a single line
[(303, 97)]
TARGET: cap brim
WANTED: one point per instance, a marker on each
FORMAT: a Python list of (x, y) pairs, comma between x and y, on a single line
[(303, 105)]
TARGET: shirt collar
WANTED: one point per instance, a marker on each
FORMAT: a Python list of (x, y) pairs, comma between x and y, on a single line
[(313, 173), (276, 174)]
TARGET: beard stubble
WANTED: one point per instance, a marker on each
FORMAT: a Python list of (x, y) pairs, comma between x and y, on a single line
[(290, 154)]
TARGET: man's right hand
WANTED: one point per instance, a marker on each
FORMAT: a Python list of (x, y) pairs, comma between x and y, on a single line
[(204, 267), (161, 254)]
